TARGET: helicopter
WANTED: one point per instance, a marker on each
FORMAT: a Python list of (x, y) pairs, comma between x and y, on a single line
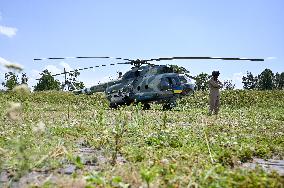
[(145, 83)]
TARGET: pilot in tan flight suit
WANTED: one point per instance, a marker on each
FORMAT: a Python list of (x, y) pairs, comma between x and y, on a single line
[(214, 95)]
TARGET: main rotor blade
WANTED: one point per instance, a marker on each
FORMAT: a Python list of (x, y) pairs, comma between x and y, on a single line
[(156, 59), (220, 58), (79, 69), (82, 57), (85, 68)]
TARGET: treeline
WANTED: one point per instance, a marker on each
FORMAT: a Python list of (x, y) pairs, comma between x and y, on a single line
[(266, 80), (45, 82)]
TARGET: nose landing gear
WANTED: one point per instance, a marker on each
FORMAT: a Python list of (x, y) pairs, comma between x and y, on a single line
[(169, 106)]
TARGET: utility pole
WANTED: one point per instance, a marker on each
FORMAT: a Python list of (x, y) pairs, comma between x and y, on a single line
[(65, 79)]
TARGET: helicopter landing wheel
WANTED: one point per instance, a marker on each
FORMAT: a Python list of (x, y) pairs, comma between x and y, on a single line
[(113, 105), (167, 106), (146, 106), (127, 101)]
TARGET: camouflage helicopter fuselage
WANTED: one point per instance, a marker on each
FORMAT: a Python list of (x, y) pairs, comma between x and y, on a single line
[(145, 84)]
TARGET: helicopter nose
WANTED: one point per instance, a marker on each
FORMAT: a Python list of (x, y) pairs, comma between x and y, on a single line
[(188, 88), (177, 89)]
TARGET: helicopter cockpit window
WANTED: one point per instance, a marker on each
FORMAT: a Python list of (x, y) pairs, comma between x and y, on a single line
[(175, 81), (165, 83), (168, 82), (184, 79)]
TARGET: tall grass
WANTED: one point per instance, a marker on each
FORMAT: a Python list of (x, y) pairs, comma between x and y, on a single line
[(179, 148)]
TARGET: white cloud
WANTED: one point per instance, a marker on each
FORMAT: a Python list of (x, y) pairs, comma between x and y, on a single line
[(96, 81), (8, 31), (238, 76), (3, 69), (4, 61), (35, 74), (2, 73), (89, 83), (11, 65), (66, 66), (237, 79), (53, 69), (271, 58)]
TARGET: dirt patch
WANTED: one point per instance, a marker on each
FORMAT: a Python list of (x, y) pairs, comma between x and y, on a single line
[(95, 157), (91, 159), (36, 178), (267, 165)]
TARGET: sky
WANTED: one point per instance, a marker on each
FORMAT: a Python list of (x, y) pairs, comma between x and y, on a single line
[(142, 29)]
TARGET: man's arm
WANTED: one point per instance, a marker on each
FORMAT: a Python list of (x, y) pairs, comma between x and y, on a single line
[(214, 84)]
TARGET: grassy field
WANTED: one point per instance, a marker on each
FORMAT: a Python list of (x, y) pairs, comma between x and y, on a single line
[(56, 139)]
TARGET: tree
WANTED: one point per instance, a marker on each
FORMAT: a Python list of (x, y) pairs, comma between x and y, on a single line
[(228, 85), (179, 69), (24, 78), (279, 80), (72, 82), (47, 82), (202, 81), (12, 80), (249, 81), (266, 80)]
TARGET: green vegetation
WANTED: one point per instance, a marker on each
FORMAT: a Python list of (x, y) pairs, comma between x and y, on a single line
[(73, 81), (12, 80), (202, 81), (47, 82), (266, 80), (44, 133)]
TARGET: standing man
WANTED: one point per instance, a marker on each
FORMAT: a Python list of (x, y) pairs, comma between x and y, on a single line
[(214, 96)]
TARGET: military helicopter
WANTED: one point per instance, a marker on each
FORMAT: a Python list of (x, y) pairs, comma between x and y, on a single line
[(145, 83)]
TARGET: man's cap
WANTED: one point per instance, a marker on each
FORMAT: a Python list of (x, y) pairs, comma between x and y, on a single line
[(215, 73)]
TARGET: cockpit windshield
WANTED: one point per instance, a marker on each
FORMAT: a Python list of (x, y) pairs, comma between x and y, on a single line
[(184, 79)]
